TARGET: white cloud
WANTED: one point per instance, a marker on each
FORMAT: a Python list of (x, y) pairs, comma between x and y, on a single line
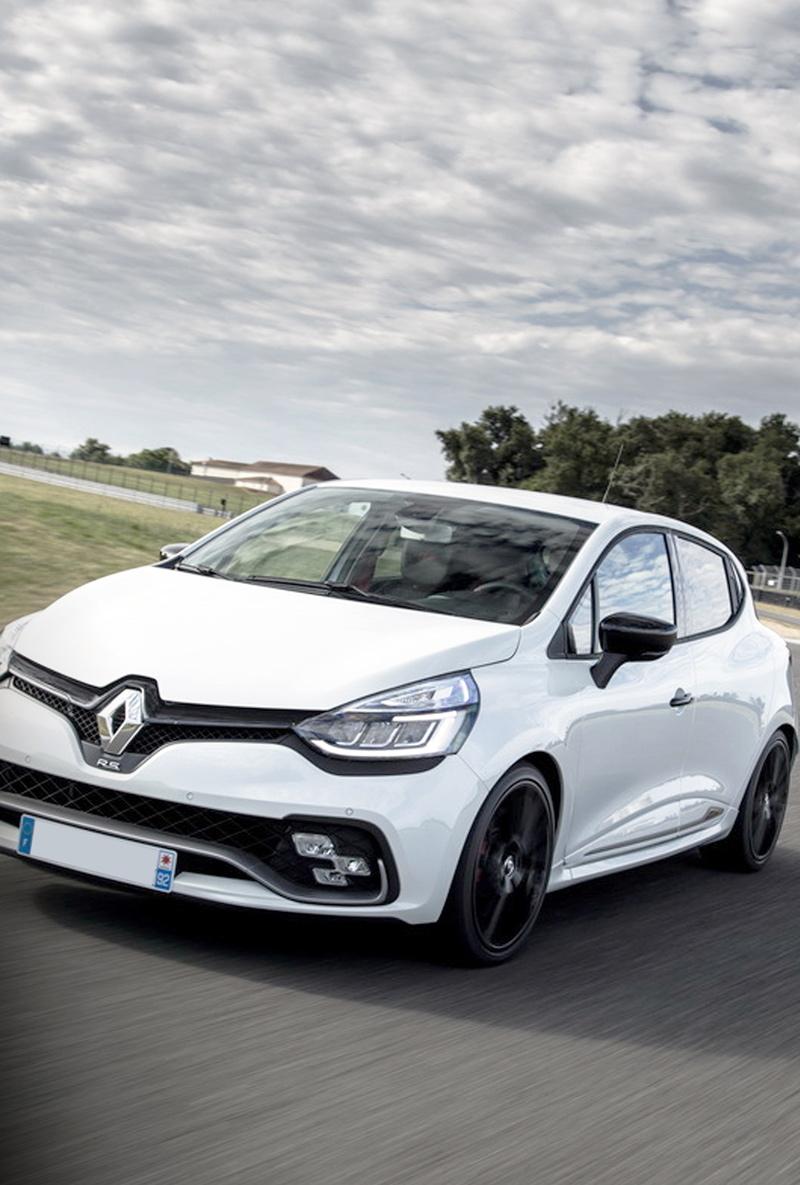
[(317, 232)]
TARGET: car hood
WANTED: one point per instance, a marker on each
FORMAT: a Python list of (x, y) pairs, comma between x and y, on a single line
[(206, 640)]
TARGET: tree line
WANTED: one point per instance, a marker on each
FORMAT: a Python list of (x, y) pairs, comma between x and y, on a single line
[(740, 483), (161, 460)]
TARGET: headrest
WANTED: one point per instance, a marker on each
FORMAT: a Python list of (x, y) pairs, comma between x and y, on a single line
[(424, 563)]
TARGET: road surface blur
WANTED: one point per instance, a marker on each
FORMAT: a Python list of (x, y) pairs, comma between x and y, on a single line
[(648, 1035)]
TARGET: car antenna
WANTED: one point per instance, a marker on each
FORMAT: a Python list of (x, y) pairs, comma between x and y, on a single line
[(613, 473)]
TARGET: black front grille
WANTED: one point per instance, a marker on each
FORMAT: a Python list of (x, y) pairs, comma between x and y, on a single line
[(84, 721), (155, 733), (154, 736), (269, 841)]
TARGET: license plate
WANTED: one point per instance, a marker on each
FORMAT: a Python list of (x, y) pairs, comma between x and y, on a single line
[(123, 860)]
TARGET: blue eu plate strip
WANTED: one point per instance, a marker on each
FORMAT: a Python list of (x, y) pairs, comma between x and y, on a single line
[(25, 835)]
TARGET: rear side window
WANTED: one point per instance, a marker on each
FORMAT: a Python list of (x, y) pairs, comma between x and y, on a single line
[(706, 587)]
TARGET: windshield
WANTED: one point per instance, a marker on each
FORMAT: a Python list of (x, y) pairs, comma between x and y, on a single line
[(440, 554)]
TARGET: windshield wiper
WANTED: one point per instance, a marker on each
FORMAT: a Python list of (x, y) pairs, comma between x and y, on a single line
[(199, 570), (325, 588), (329, 588), (285, 582), (355, 593), (341, 588)]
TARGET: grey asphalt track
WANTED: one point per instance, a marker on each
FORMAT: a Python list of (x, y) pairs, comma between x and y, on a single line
[(649, 1035)]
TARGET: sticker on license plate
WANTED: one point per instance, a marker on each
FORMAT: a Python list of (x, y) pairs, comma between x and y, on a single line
[(110, 856)]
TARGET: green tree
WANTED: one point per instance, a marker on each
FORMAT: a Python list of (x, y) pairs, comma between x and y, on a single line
[(163, 460), (500, 449), (93, 450), (696, 438), (578, 450), (752, 496), (781, 437), (761, 490), (667, 483), (740, 483)]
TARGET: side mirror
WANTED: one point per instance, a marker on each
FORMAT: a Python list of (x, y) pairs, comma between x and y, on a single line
[(627, 637), (170, 550)]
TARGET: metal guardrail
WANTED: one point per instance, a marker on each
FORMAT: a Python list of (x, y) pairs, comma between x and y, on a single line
[(770, 576), (771, 586)]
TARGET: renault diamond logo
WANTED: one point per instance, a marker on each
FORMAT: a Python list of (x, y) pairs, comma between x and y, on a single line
[(120, 720)]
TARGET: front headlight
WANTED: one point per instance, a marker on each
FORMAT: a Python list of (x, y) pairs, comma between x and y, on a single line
[(8, 640), (427, 719)]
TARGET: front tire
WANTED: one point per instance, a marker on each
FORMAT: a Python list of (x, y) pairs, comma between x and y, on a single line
[(755, 833), (502, 876)]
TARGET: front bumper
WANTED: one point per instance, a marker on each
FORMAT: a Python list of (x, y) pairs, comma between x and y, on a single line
[(229, 810)]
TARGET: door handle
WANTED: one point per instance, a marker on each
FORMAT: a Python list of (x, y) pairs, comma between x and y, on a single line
[(681, 698)]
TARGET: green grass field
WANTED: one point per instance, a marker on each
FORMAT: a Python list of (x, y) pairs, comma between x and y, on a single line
[(169, 485), (54, 539)]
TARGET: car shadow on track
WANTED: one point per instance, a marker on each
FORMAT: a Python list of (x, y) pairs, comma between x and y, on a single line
[(672, 954)]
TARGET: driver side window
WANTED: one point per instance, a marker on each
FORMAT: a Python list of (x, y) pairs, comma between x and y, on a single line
[(635, 576)]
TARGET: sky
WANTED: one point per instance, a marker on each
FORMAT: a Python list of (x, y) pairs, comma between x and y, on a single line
[(317, 231)]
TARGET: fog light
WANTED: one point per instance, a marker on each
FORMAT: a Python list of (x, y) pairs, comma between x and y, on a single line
[(352, 865), (329, 876), (313, 846)]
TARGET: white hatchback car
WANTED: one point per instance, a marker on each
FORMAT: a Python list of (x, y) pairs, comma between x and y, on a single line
[(421, 701)]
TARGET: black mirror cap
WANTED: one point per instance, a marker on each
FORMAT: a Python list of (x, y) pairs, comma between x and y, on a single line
[(629, 637), (636, 637)]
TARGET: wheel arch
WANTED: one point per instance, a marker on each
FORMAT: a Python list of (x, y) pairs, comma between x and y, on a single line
[(551, 772), (791, 739), (783, 728)]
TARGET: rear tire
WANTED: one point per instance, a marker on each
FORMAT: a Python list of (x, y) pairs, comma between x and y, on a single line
[(502, 876), (758, 824)]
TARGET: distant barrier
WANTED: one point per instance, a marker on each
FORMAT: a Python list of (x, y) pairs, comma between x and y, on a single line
[(773, 586), (215, 496), (174, 490), (111, 491)]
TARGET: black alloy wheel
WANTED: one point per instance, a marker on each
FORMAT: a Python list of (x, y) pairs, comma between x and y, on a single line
[(503, 872), (758, 824)]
